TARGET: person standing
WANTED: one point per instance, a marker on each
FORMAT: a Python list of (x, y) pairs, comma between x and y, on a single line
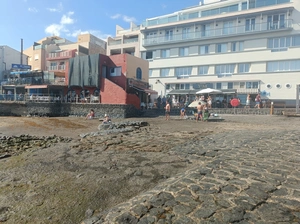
[(248, 101), (199, 112), (168, 110), (257, 101), (182, 113)]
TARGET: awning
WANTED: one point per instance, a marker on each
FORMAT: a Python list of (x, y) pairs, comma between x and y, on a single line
[(146, 90), (182, 92), (37, 87)]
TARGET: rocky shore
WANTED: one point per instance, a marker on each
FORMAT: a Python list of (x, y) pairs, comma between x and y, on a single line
[(242, 170)]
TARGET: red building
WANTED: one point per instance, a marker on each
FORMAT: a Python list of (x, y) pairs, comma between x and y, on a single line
[(116, 79)]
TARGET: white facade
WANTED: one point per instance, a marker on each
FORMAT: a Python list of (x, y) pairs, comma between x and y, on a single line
[(9, 56), (238, 46)]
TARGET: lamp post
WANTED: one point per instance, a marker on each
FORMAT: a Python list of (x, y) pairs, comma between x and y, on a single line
[(158, 81), (2, 62)]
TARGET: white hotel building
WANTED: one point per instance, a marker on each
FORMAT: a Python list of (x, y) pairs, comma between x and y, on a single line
[(238, 46)]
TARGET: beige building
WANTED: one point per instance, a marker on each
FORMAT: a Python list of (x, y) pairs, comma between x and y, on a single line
[(51, 53), (126, 41), (238, 46)]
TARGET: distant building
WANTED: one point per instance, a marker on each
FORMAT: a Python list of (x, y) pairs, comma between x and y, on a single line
[(238, 46), (9, 56), (126, 41)]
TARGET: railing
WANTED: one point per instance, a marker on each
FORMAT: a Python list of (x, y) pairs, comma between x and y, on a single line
[(243, 29), (56, 67), (114, 42), (131, 40), (57, 55), (22, 81)]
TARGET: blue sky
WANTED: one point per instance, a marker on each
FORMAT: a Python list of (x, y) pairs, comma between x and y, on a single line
[(32, 20)]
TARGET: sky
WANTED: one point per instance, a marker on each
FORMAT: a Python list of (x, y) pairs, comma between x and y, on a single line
[(32, 20)]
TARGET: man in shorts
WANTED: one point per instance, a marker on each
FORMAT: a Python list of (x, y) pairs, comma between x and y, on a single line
[(199, 112), (168, 109)]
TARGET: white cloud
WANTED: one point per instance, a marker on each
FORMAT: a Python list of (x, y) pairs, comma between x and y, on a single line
[(96, 33), (57, 29), (59, 8), (129, 19), (33, 9), (125, 18), (116, 16), (66, 19)]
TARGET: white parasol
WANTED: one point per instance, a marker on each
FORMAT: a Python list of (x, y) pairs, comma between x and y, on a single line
[(209, 91)]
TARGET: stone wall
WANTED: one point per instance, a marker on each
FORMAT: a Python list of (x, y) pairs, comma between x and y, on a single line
[(66, 109)]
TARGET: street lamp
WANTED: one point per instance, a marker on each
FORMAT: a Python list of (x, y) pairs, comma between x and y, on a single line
[(2, 62), (158, 81)]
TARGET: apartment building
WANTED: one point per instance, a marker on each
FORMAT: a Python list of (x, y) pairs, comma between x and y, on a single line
[(126, 41), (8, 57), (238, 46)]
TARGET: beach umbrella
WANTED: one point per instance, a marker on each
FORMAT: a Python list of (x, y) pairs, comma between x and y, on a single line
[(209, 91)]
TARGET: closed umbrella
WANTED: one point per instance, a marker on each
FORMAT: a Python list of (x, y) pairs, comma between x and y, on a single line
[(209, 91), (195, 103)]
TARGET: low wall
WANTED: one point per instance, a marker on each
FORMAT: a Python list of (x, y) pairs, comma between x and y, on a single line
[(66, 109)]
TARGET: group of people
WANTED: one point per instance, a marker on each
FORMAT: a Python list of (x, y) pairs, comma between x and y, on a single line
[(91, 115)]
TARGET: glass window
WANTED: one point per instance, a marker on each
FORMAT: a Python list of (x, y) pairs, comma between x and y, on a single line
[(276, 66), (117, 71), (186, 33), (219, 85), (149, 54), (230, 85), (203, 70), (183, 51), (233, 46), (139, 73), (150, 72), (168, 86), (165, 53), (181, 86), (241, 46), (169, 35), (244, 67), (225, 69), (187, 86), (183, 71), (228, 27), (164, 72), (221, 48), (204, 49), (242, 85), (177, 86)]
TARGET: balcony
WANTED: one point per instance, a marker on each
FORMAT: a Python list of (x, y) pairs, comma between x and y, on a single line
[(114, 42), (60, 55), (220, 32), (57, 68), (131, 40), (125, 41)]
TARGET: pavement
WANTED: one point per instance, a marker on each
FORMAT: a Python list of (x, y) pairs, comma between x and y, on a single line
[(249, 175)]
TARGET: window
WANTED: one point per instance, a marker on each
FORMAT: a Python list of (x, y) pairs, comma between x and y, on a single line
[(165, 53), (183, 71), (183, 51), (244, 67), (169, 35), (177, 86), (251, 85), (276, 22), (205, 30), (219, 85), (150, 72), (221, 48), (288, 86), (164, 72), (250, 24), (278, 86), (139, 73), (203, 70), (148, 55), (204, 49), (36, 57), (168, 86), (242, 85), (228, 27), (187, 86), (225, 70), (151, 37), (186, 33), (269, 86), (277, 66), (283, 42), (117, 71), (230, 85), (181, 86), (241, 46)]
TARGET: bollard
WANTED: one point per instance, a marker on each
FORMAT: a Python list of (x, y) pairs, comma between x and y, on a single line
[(272, 108)]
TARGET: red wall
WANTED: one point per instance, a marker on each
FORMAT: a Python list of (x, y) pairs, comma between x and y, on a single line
[(113, 94), (117, 61)]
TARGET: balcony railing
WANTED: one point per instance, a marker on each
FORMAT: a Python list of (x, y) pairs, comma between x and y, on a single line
[(115, 42), (57, 68), (131, 40), (60, 55), (220, 32)]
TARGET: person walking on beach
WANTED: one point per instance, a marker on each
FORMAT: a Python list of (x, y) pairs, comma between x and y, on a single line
[(199, 112), (168, 109), (248, 101)]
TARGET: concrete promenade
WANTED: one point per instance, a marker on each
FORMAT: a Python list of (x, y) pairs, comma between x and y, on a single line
[(250, 175)]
